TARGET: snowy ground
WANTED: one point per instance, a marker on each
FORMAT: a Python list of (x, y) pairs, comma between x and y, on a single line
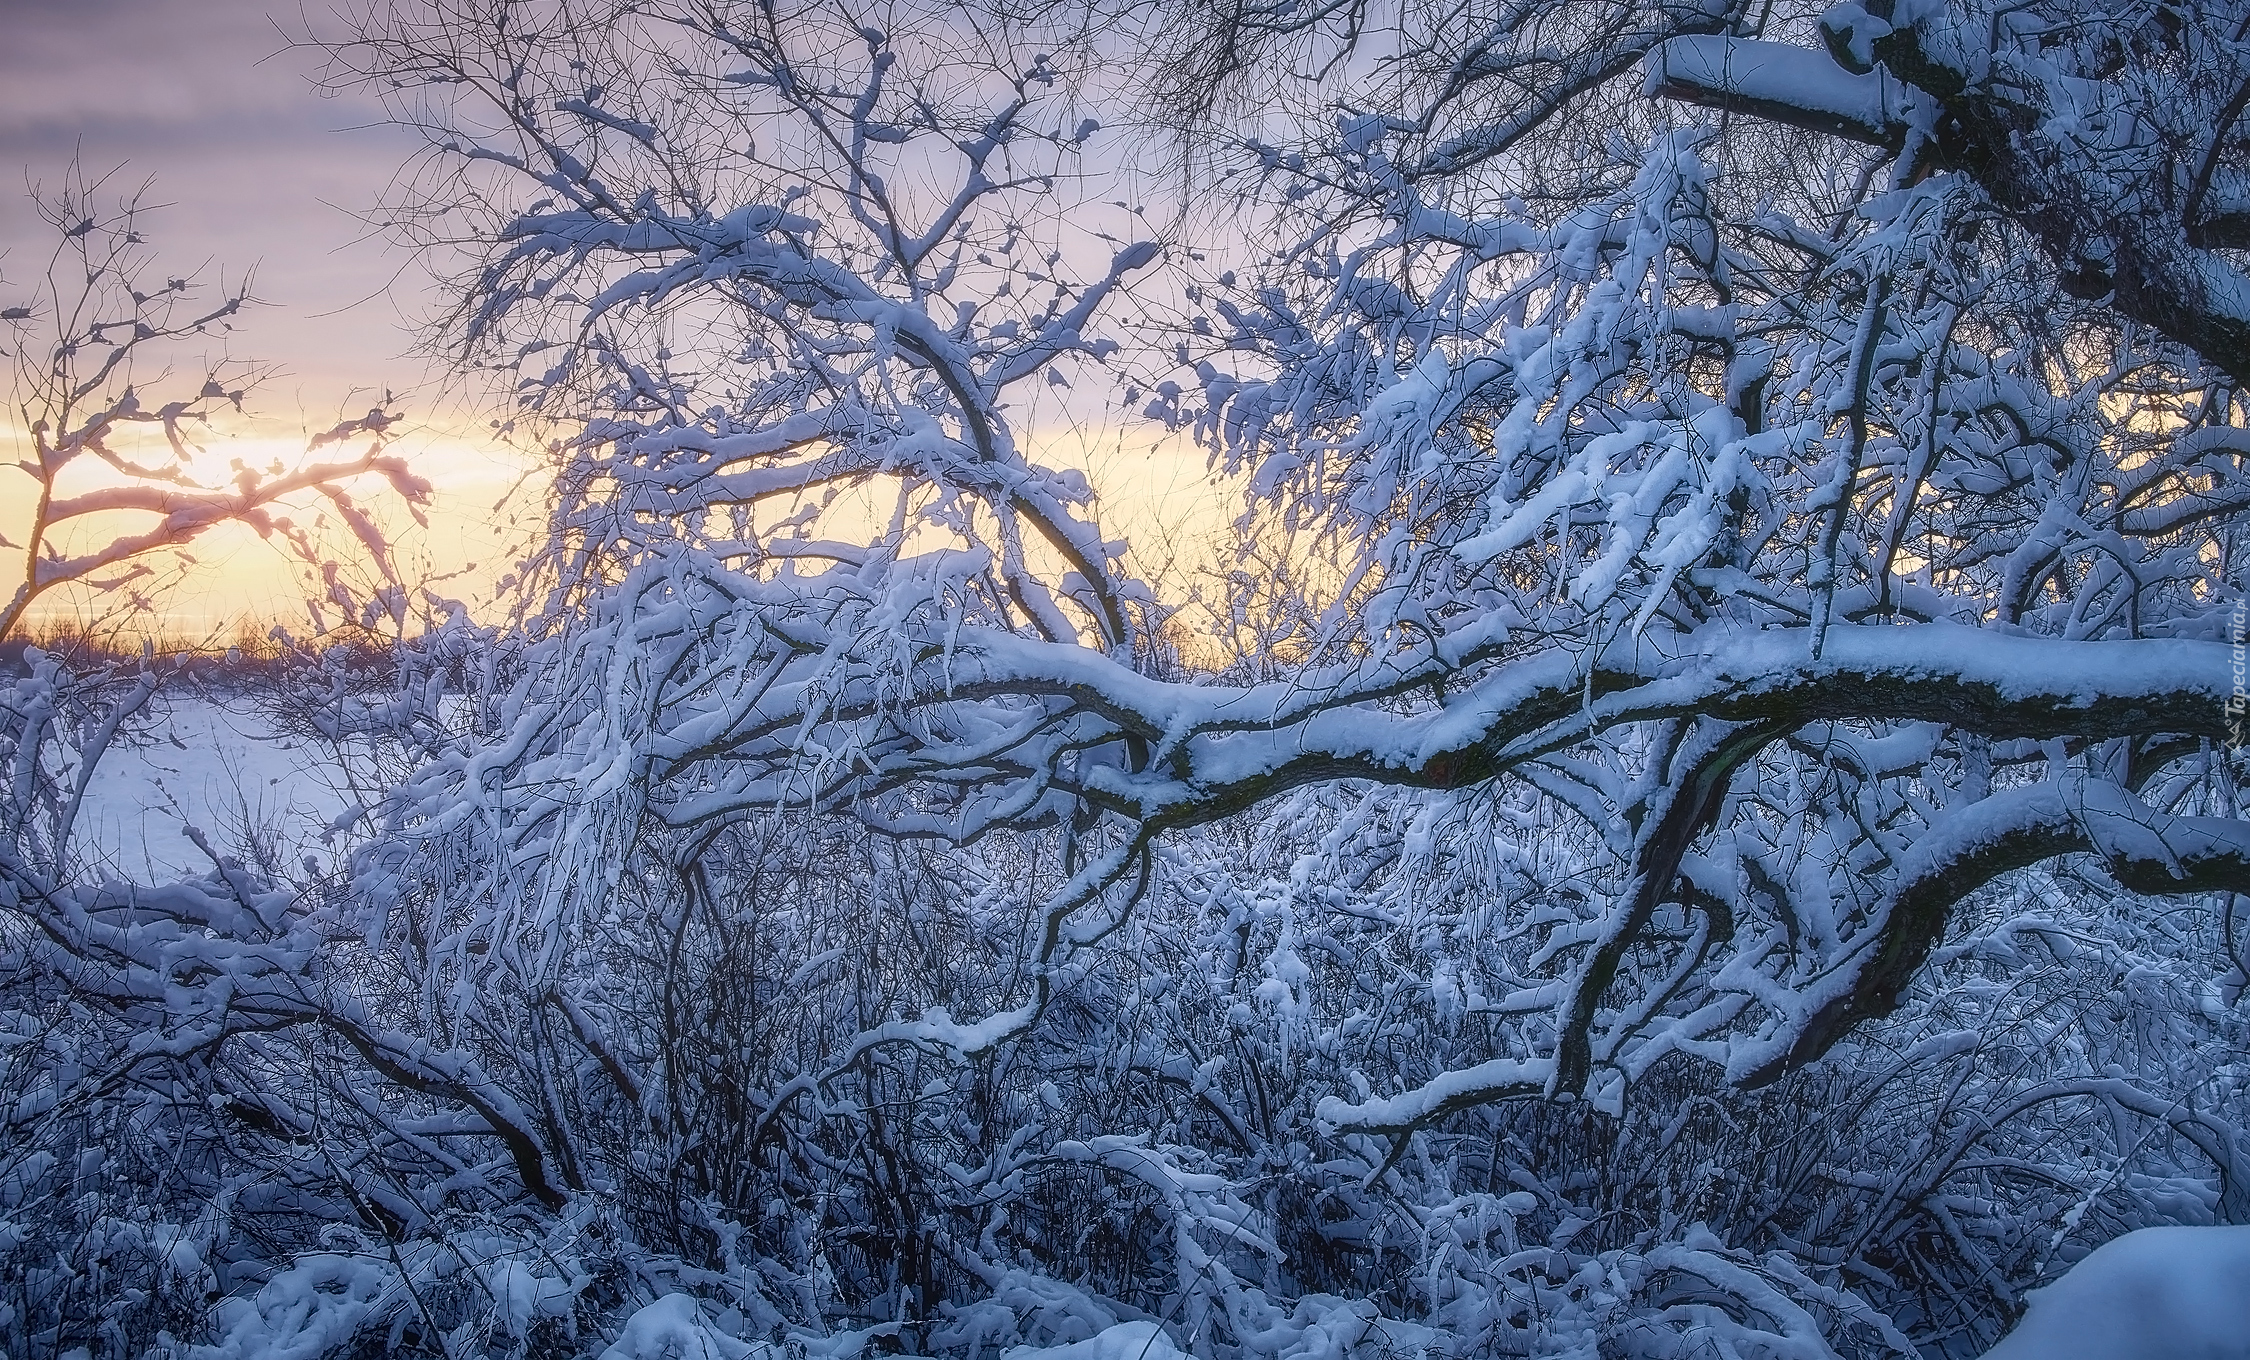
[(2156, 1294), (219, 767)]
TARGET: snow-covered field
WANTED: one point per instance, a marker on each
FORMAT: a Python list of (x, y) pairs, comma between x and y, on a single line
[(219, 767)]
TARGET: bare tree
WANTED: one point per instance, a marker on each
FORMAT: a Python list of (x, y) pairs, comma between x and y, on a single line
[(97, 346)]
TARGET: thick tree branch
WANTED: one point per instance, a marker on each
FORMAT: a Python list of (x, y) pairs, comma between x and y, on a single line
[(2124, 240), (2147, 851)]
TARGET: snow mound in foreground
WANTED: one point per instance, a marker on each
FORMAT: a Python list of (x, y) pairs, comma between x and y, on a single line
[(674, 1328), (1125, 1341), (2155, 1294)]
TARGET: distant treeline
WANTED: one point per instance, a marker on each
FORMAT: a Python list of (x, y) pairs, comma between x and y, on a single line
[(246, 648)]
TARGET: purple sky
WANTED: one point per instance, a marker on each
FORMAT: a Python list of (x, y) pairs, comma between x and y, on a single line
[(207, 98), (204, 97)]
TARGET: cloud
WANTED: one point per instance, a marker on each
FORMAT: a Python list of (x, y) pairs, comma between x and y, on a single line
[(208, 102), (169, 60)]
